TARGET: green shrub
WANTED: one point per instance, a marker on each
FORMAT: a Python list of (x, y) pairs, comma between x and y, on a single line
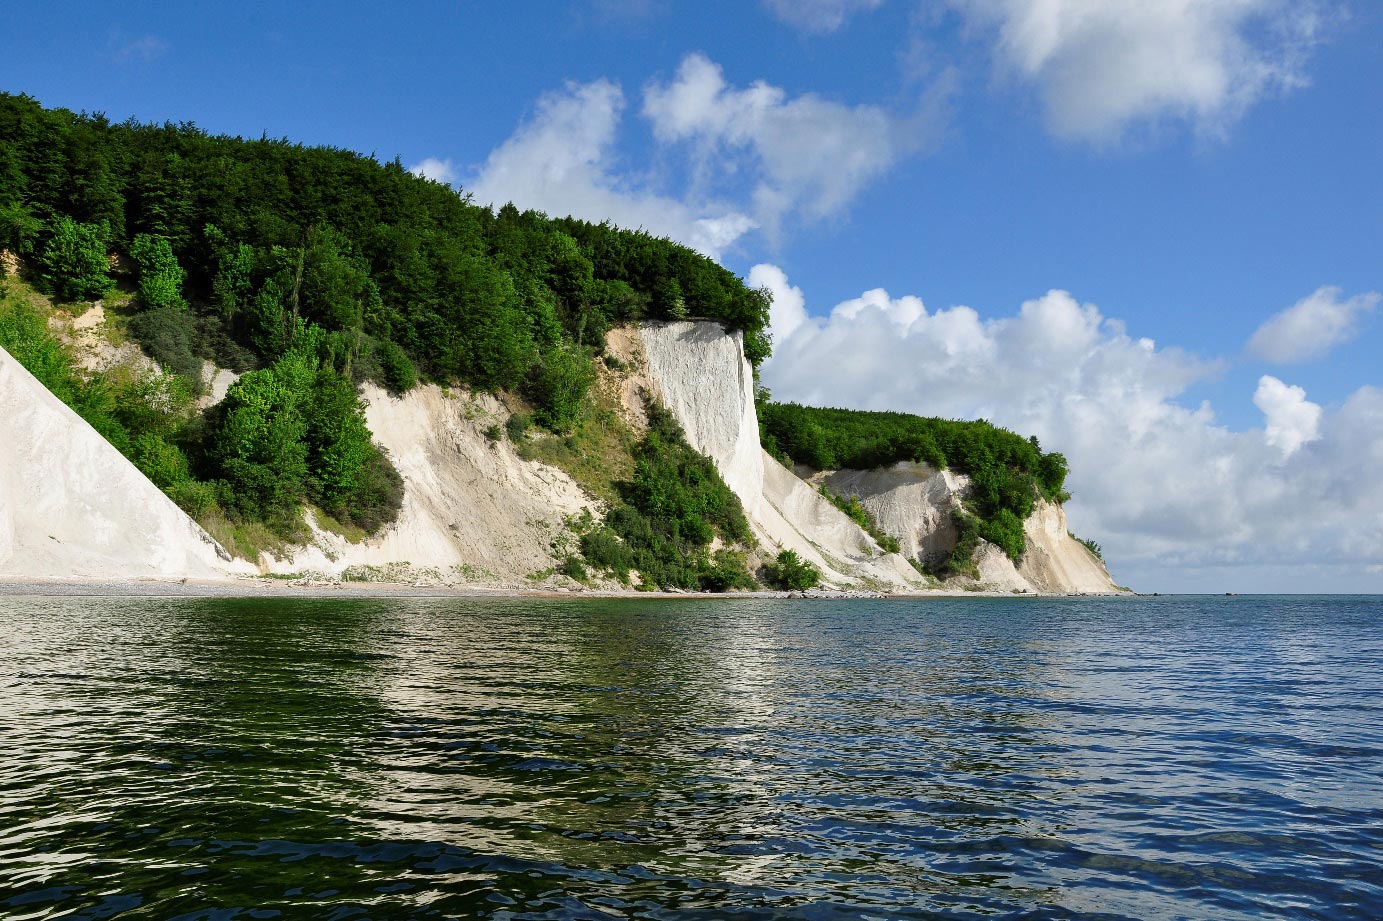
[(557, 387), (1092, 546), (790, 572), (73, 263), (516, 426), (160, 276), (573, 568), (172, 337), (398, 373), (671, 510)]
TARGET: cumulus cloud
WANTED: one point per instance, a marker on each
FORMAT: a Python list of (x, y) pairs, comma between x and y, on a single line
[(1312, 326), (562, 161), (754, 156), (819, 15), (1290, 419), (436, 170), (789, 309), (1102, 65), (808, 154), (1177, 499)]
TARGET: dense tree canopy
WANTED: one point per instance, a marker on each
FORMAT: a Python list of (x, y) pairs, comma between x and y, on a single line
[(262, 233)]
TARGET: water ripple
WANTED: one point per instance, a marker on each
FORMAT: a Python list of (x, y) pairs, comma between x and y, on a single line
[(1130, 758)]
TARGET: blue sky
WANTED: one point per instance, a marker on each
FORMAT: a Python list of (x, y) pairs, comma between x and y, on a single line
[(1191, 167)]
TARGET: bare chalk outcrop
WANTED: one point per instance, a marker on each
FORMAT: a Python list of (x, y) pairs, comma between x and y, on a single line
[(474, 511), (914, 503), (72, 506)]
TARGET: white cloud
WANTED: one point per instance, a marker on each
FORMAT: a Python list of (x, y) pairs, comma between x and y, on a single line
[(755, 156), (1102, 65), (1290, 419), (819, 15), (807, 153), (436, 170), (562, 161), (1312, 326), (789, 305), (1177, 499)]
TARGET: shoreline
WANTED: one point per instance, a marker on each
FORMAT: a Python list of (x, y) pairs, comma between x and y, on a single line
[(251, 587)]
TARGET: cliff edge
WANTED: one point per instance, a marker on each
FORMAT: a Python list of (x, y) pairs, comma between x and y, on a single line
[(73, 507)]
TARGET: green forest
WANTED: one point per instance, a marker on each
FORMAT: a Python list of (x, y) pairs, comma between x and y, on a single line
[(312, 269), (1008, 472)]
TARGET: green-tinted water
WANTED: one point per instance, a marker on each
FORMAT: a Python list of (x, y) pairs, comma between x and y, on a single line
[(453, 758)]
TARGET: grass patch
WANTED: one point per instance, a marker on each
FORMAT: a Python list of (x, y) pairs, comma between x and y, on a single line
[(352, 533), (598, 453), (244, 539)]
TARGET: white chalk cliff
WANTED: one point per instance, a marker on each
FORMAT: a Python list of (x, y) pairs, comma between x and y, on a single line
[(72, 506), (700, 373), (476, 512), (914, 502)]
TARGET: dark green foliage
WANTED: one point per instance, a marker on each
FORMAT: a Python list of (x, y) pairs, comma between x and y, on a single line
[(557, 386), (160, 276), (517, 427), (73, 262), (396, 369), (790, 572), (172, 337), (674, 506), (857, 513), (1008, 473), (296, 432), (19, 229), (573, 568), (270, 233)]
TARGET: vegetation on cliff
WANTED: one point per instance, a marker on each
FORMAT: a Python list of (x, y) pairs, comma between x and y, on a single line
[(1008, 473), (312, 269), (668, 515)]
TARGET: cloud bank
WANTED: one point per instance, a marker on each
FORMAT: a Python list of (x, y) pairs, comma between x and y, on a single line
[(1178, 500), (1101, 66), (1312, 326), (756, 156)]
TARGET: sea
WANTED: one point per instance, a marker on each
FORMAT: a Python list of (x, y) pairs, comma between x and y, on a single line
[(1188, 757)]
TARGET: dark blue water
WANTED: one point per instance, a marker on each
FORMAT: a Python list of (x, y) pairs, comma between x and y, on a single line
[(1141, 758)]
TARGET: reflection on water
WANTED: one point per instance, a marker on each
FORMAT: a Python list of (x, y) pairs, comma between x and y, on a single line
[(211, 758)]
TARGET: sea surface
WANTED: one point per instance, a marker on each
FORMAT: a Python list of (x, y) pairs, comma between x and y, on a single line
[(1175, 757)]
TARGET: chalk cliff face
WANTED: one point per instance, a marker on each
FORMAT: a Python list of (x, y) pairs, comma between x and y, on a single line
[(914, 502), (700, 374), (475, 512), (72, 506)]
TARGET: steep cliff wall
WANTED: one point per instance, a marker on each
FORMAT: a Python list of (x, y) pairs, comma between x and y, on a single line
[(700, 374), (72, 506), (473, 511), (913, 502)]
